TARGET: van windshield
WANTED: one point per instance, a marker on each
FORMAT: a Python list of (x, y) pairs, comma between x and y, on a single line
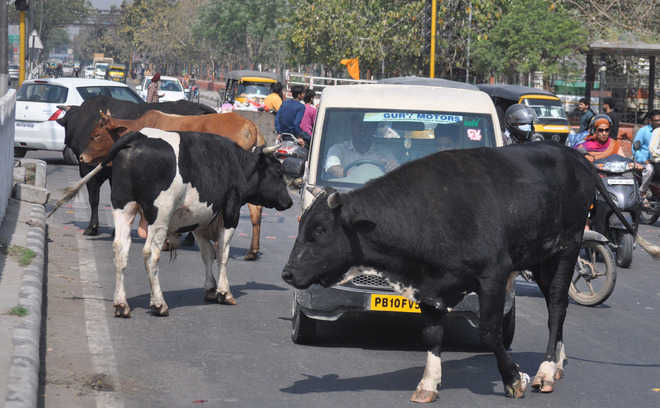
[(358, 145), (546, 108)]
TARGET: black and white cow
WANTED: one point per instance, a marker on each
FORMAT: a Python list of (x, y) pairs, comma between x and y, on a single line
[(185, 181), (456, 222), (79, 122)]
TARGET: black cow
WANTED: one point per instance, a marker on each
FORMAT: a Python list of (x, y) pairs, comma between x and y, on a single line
[(456, 222), (80, 120), (185, 181)]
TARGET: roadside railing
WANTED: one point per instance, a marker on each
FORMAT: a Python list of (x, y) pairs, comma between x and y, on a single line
[(7, 108)]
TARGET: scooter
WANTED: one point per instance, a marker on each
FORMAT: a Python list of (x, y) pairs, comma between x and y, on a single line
[(651, 208), (617, 174), (293, 157)]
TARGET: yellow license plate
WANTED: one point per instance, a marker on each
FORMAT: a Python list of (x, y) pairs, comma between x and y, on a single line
[(393, 303)]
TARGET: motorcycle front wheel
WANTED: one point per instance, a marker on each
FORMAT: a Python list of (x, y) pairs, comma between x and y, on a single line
[(624, 251), (594, 276)]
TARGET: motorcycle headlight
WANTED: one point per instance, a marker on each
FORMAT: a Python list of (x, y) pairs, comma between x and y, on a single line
[(615, 167)]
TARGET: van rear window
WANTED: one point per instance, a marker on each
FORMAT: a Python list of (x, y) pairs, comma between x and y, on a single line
[(46, 93)]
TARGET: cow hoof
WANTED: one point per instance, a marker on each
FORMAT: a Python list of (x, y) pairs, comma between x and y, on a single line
[(122, 310), (161, 310), (424, 396), (541, 384), (252, 256), (92, 231), (518, 388), (226, 299), (211, 295), (544, 380)]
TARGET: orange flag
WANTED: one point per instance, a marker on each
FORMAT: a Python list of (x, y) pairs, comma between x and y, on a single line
[(352, 66)]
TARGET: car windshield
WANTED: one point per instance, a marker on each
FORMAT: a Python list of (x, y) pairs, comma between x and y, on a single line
[(254, 88), (546, 108), (166, 85), (369, 143), (47, 93), (116, 92)]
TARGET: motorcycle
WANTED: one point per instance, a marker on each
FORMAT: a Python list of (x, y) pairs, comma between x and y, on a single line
[(651, 206), (293, 157), (594, 275), (617, 174)]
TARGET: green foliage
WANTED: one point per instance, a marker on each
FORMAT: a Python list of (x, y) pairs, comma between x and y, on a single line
[(241, 31), (531, 36), (19, 311), (380, 33)]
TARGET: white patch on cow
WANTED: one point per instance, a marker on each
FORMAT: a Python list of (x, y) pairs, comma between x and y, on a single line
[(432, 373)]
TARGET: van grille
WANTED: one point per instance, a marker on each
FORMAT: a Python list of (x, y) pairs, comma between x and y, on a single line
[(370, 281)]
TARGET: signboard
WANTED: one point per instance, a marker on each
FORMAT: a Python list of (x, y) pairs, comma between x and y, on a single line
[(14, 43)]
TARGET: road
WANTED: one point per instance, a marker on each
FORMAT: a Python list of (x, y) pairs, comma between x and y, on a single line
[(209, 355)]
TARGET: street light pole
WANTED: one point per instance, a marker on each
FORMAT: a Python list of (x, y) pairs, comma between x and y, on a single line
[(4, 47), (433, 22)]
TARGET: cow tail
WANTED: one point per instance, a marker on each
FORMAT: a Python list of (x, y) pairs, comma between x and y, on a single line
[(73, 191), (653, 250)]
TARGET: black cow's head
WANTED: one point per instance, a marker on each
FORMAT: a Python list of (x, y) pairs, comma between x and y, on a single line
[(267, 185), (328, 243)]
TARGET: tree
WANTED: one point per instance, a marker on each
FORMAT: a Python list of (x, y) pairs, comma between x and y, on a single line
[(51, 14), (533, 35), (386, 36)]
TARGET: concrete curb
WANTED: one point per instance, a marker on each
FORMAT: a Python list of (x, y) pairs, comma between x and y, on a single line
[(23, 384)]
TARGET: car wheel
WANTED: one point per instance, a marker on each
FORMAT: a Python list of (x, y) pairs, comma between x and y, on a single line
[(303, 328), (19, 152), (509, 326), (69, 156)]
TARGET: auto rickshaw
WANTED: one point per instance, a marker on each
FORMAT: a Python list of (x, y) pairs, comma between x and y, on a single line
[(552, 122), (116, 72), (248, 86)]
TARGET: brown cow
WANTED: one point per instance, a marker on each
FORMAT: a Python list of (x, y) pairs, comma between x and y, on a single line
[(230, 125)]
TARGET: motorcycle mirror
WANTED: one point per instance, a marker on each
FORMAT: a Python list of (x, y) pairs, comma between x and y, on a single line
[(637, 145), (293, 166)]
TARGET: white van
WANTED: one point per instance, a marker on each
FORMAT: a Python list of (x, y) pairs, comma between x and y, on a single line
[(405, 119)]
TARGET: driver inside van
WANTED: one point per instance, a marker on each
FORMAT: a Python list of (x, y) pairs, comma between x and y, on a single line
[(360, 148)]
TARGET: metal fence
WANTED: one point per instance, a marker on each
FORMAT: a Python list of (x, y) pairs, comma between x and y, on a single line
[(7, 108)]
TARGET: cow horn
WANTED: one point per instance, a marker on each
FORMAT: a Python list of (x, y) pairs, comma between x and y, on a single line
[(271, 149), (334, 200), (314, 190), (65, 108)]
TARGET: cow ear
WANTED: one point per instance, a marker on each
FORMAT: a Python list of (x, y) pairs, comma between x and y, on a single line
[(116, 133), (65, 108), (334, 200), (356, 218)]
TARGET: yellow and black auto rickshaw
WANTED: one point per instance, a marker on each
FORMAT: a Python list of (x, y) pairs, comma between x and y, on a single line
[(116, 72), (248, 86), (551, 121)]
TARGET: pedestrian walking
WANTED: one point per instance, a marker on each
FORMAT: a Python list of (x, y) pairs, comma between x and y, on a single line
[(152, 90)]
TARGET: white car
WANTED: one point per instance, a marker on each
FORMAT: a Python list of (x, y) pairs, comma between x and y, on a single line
[(171, 89), (89, 72), (37, 112)]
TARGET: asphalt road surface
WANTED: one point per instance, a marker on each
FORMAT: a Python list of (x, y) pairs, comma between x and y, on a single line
[(210, 355)]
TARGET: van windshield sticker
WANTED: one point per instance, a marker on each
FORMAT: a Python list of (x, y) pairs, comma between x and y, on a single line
[(474, 134), (411, 117)]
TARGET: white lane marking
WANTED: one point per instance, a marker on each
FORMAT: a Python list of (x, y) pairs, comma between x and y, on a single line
[(96, 325)]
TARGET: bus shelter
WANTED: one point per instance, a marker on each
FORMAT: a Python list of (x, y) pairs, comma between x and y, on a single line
[(622, 48)]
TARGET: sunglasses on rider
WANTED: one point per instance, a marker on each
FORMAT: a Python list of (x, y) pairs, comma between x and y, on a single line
[(602, 130)]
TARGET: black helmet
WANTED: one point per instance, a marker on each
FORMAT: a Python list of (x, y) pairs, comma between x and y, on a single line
[(519, 121), (598, 118)]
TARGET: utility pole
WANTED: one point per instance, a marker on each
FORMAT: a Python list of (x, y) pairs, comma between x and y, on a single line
[(21, 6), (433, 28), (4, 47)]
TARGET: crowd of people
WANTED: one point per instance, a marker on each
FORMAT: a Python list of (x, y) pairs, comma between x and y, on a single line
[(295, 115)]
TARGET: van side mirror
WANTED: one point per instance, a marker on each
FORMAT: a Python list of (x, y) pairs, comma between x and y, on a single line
[(293, 166)]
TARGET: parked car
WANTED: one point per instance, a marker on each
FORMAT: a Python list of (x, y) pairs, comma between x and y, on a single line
[(407, 118), (36, 110), (170, 89)]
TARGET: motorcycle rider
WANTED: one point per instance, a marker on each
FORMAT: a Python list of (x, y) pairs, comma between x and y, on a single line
[(598, 144), (643, 155), (519, 124)]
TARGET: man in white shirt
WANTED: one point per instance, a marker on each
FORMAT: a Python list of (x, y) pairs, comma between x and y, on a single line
[(360, 148)]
